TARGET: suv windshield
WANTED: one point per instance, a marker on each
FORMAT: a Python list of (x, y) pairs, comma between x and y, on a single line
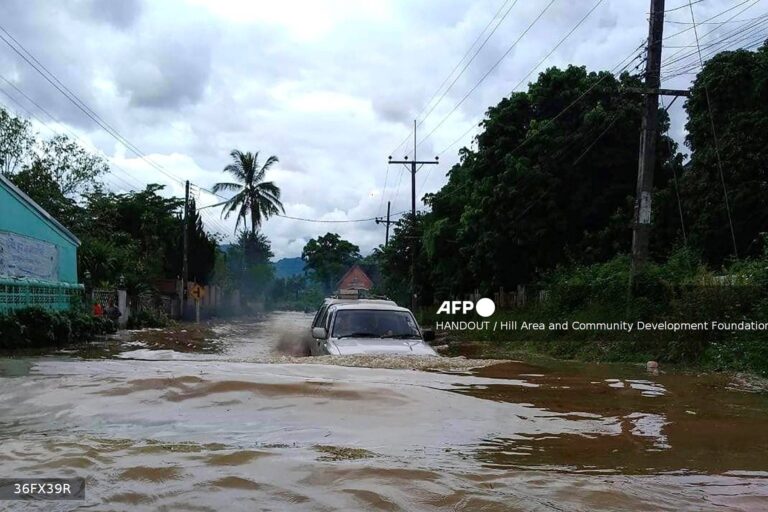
[(374, 324)]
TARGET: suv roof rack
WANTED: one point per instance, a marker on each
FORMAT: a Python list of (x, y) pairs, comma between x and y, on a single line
[(357, 294)]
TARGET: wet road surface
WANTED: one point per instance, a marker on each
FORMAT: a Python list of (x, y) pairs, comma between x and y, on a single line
[(239, 425)]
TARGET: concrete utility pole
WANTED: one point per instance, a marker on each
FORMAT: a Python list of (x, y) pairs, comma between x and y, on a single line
[(641, 227), (642, 216), (413, 170), (387, 222), (185, 264)]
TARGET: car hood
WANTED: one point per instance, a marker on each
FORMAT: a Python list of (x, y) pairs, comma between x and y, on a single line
[(352, 346)]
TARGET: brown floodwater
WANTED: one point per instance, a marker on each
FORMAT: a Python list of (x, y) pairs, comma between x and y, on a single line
[(241, 422)]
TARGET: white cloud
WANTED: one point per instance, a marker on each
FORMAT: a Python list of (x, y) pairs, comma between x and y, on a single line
[(330, 87)]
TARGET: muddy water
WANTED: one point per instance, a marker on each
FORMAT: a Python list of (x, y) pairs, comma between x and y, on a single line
[(238, 425)]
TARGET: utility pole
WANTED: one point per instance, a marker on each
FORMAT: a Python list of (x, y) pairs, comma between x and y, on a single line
[(387, 222), (642, 215), (413, 170), (185, 264), (641, 227)]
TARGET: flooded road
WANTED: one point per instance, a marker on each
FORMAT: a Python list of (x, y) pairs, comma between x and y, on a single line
[(237, 424)]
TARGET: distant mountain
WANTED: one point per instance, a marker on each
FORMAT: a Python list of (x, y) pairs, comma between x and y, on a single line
[(287, 267)]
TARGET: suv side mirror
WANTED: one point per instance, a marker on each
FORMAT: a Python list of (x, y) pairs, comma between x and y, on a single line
[(319, 332), (429, 335)]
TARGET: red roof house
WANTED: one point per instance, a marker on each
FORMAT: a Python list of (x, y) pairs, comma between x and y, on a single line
[(355, 279)]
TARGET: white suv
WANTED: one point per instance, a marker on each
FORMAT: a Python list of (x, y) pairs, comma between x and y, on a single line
[(369, 327)]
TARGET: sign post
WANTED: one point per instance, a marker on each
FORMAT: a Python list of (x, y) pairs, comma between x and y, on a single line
[(197, 292)]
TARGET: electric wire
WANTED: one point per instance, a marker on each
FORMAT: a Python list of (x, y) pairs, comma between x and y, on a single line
[(463, 58), (533, 69), (487, 73), (714, 137), (686, 30), (51, 78), (133, 184)]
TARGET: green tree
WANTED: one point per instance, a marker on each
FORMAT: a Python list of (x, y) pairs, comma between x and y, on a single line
[(249, 264), (550, 182), (16, 141), (40, 185), (201, 248), (139, 236), (329, 256), (404, 249), (737, 85), (73, 167), (253, 196)]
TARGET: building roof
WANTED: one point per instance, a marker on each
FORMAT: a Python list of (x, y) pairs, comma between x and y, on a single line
[(355, 268), (47, 217)]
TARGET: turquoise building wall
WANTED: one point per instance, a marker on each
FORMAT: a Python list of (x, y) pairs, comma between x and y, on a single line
[(19, 217), (38, 262)]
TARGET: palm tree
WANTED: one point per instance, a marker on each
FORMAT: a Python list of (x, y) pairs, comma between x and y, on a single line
[(259, 198)]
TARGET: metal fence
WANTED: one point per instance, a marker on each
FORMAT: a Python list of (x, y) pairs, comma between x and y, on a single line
[(103, 296), (22, 293)]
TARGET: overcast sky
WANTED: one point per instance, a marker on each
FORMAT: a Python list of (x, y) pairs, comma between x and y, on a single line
[(330, 87)]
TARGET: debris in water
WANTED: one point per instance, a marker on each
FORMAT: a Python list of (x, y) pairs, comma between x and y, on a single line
[(336, 453)]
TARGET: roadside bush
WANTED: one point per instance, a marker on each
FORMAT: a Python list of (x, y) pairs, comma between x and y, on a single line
[(11, 332), (35, 327), (147, 318), (680, 289)]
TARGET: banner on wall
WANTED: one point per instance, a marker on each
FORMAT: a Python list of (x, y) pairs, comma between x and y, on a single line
[(22, 256)]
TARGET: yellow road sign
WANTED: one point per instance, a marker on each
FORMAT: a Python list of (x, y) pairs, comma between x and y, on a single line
[(197, 292)]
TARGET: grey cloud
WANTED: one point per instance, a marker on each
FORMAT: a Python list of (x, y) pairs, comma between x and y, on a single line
[(121, 14), (166, 73), (176, 77)]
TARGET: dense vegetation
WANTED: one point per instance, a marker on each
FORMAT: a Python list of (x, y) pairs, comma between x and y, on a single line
[(36, 327), (545, 189), (135, 239), (545, 200)]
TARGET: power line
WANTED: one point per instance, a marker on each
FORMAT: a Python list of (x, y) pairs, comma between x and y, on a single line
[(675, 34), (330, 221), (466, 65), (694, 68), (494, 66), (683, 6), (714, 137), (740, 39), (448, 77), (619, 68), (463, 58), (51, 78), (522, 80), (53, 131), (738, 32), (713, 22), (612, 72), (73, 134)]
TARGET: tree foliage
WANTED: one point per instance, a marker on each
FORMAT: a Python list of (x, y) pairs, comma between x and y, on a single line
[(329, 256), (551, 181), (74, 168), (16, 141), (253, 197), (737, 86), (248, 264)]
